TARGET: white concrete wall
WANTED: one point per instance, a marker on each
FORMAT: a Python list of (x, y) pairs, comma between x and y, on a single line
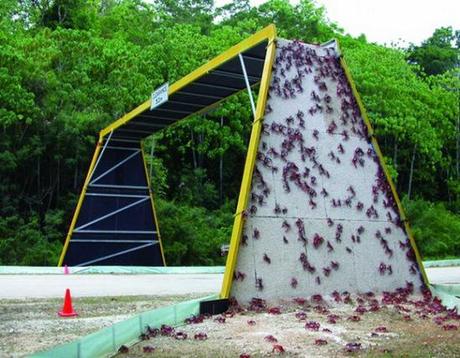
[(359, 262)]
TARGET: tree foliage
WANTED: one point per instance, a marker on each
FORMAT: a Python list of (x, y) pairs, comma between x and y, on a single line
[(409, 113), (439, 53), (70, 67), (436, 230)]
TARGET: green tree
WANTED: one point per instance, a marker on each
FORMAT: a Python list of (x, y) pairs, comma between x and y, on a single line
[(413, 118), (436, 230), (439, 53), (197, 12)]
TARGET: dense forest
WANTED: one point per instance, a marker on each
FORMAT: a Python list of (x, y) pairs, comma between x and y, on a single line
[(70, 67)]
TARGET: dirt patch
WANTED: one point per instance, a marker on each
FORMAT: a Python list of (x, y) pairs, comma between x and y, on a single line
[(392, 330), (33, 325)]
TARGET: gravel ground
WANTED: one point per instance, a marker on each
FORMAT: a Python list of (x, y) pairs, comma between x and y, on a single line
[(28, 326), (399, 336)]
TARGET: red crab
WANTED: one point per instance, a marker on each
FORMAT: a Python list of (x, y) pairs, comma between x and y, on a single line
[(352, 347), (354, 318), (201, 336), (320, 342), (450, 327), (267, 259), (336, 296), (152, 332), (220, 319), (270, 339), (228, 314), (144, 337), (123, 349), (274, 310), (239, 276), (194, 319), (166, 330), (312, 325), (301, 316), (321, 309), (317, 298), (332, 318), (180, 336), (361, 309), (278, 348), (299, 300), (148, 349)]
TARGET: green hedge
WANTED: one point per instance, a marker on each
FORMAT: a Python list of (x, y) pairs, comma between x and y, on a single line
[(193, 235), (436, 229)]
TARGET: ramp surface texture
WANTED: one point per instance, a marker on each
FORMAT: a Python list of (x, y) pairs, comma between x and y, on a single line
[(322, 216)]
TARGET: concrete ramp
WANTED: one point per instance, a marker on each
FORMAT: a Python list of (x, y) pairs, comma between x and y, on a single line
[(322, 214)]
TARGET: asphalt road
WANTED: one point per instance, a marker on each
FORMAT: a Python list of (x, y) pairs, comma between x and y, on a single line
[(444, 274), (49, 286), (91, 285)]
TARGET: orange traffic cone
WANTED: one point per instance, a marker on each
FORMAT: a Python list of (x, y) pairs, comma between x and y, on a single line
[(67, 309), (66, 270)]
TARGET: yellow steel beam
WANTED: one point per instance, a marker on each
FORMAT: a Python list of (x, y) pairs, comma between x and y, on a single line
[(385, 170), (80, 201), (249, 168), (147, 177), (262, 35)]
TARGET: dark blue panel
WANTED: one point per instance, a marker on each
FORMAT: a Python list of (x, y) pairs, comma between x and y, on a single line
[(137, 217), (81, 252), (103, 200), (131, 172)]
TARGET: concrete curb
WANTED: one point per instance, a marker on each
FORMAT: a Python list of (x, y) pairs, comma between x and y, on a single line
[(51, 270), (442, 263), (448, 294)]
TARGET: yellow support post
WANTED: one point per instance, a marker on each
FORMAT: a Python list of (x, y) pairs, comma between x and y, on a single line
[(80, 200), (249, 168), (147, 177), (385, 170)]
